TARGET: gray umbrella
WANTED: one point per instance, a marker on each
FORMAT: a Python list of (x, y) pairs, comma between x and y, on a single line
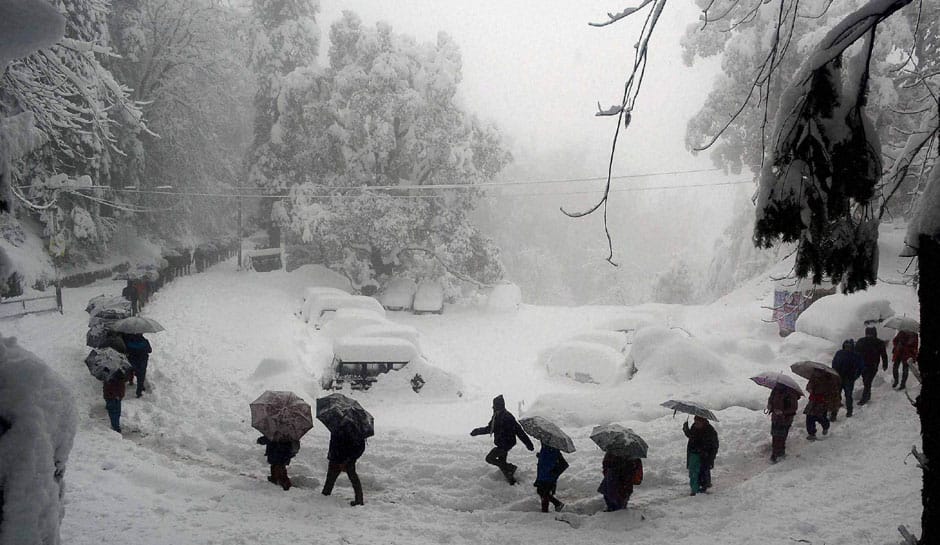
[(806, 369), (547, 432), (281, 416), (619, 440), (689, 407), (902, 323), (136, 324), (103, 363), (338, 412)]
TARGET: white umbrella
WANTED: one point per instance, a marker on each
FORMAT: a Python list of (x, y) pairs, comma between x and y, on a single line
[(771, 379), (136, 324), (902, 323)]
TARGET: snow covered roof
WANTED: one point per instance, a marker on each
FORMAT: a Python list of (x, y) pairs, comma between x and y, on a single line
[(370, 349)]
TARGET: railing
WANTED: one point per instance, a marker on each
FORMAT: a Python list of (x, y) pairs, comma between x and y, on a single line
[(4, 313)]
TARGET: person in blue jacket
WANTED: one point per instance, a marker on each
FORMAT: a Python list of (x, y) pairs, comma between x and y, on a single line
[(849, 364), (551, 465), (138, 354), (505, 429)]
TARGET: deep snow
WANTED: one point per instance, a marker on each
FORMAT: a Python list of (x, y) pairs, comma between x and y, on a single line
[(187, 469)]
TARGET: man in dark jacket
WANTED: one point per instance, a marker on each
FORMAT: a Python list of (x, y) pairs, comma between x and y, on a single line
[(130, 293), (849, 364), (279, 454), (781, 405), (346, 446), (700, 453), (505, 429), (872, 349), (138, 354), (113, 392)]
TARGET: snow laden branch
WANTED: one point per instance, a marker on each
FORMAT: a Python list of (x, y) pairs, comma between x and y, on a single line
[(623, 111)]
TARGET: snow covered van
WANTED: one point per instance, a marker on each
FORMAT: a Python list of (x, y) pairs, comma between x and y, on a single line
[(360, 360)]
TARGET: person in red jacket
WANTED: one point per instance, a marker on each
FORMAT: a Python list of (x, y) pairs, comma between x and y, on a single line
[(113, 390), (904, 352)]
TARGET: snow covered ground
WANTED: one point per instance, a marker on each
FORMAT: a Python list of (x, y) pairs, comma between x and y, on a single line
[(187, 469)]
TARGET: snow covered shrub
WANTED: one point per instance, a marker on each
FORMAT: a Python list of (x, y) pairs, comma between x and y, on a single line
[(37, 414)]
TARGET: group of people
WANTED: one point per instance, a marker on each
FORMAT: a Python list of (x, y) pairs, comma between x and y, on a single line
[(346, 447), (137, 349), (856, 359)]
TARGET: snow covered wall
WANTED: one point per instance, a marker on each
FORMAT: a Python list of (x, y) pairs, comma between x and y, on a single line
[(37, 427)]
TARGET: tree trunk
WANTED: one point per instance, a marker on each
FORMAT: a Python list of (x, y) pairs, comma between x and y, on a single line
[(928, 402)]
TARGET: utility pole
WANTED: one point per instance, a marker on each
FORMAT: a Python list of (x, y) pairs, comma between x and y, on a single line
[(238, 232)]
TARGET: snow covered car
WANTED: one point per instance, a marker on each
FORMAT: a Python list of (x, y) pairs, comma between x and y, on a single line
[(398, 294), (618, 340), (360, 360), (347, 320), (324, 308), (311, 294), (429, 298), (583, 361), (389, 329)]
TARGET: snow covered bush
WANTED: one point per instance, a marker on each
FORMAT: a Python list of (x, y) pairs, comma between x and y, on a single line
[(661, 353), (37, 426)]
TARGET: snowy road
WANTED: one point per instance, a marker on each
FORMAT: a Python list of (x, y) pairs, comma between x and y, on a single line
[(188, 471)]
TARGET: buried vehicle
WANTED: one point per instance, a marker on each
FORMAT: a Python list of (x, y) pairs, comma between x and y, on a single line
[(429, 298), (399, 294), (360, 360), (324, 308)]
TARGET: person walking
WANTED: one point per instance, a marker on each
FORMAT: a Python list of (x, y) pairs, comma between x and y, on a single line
[(113, 391), (872, 349), (620, 475), (346, 447), (138, 354), (903, 352), (849, 364), (505, 430), (130, 293), (700, 453), (551, 465), (781, 405), (816, 410), (279, 455)]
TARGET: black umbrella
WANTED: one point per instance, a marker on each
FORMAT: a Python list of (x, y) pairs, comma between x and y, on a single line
[(340, 413), (806, 369), (547, 432), (689, 407), (619, 440)]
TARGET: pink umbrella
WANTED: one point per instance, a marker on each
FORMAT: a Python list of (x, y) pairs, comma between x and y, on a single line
[(771, 379)]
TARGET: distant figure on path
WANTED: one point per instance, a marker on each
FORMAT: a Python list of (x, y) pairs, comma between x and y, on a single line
[(138, 354), (849, 364), (781, 405), (872, 349), (279, 454), (620, 475), (903, 353), (551, 465), (817, 410), (130, 293), (505, 429), (346, 446), (113, 390), (700, 453)]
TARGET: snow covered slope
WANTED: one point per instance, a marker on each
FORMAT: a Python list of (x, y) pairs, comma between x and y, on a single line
[(187, 469)]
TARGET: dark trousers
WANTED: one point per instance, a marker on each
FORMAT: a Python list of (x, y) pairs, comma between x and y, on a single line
[(140, 369), (333, 472), (848, 393), (497, 457), (868, 375), (114, 413), (894, 371), (279, 476), (779, 429), (811, 421), (546, 492)]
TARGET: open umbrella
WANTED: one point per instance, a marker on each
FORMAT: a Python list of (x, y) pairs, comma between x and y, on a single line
[(902, 323), (136, 324), (689, 407), (103, 363), (619, 440), (806, 369), (547, 432), (771, 379), (101, 302), (281, 416), (338, 412)]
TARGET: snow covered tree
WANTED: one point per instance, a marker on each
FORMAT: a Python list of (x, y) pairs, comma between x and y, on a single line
[(284, 44), (821, 162), (360, 139), (675, 286)]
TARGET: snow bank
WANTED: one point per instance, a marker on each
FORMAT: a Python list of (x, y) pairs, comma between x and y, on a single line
[(437, 383), (37, 427), (504, 298), (668, 354), (839, 317), (618, 340), (583, 361)]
